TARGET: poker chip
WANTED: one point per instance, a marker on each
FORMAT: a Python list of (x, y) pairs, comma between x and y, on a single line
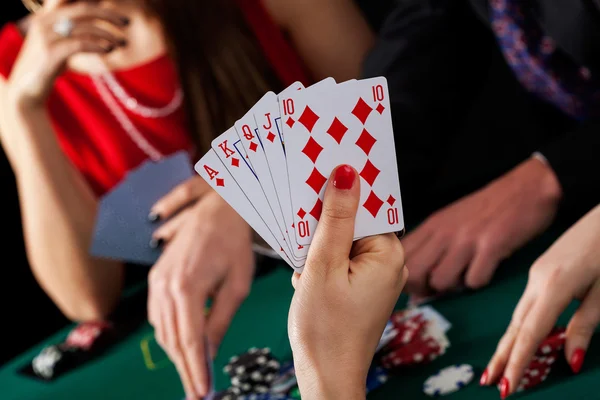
[(417, 352), (376, 377), (83, 336), (448, 380), (407, 330), (44, 364), (252, 372), (389, 333), (225, 395), (285, 380), (554, 342)]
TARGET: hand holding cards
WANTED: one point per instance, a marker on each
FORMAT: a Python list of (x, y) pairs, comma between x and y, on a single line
[(272, 166)]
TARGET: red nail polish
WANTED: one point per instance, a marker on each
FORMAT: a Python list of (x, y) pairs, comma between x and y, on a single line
[(504, 388), (577, 360), (344, 177), (484, 378)]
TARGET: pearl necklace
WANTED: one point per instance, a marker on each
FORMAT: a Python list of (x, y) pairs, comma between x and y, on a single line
[(112, 93)]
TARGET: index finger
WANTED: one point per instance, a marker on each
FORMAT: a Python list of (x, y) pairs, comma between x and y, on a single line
[(191, 329), (539, 322), (182, 195)]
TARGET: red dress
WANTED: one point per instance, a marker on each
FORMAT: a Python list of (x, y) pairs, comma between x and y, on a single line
[(94, 140)]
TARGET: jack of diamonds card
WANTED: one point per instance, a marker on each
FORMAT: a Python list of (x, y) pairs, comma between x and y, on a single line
[(254, 149), (271, 156), (349, 124)]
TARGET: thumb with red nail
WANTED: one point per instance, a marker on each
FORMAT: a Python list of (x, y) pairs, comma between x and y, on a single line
[(569, 270), (343, 298)]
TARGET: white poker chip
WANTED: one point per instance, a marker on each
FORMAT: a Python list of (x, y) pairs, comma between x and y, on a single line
[(448, 380), (43, 364)]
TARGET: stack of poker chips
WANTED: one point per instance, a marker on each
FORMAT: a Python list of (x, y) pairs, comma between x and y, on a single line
[(251, 373), (414, 340), (540, 366)]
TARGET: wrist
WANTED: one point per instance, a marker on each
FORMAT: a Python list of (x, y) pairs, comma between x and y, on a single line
[(23, 107), (344, 388), (331, 383), (549, 186), (21, 101)]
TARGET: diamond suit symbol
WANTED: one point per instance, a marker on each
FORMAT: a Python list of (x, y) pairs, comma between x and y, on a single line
[(308, 118), (270, 137), (337, 130), (301, 213), (312, 149), (373, 204), (369, 172), (220, 182), (362, 110), (235, 162), (366, 141), (380, 108), (316, 180), (391, 200), (317, 209), (290, 122), (253, 146)]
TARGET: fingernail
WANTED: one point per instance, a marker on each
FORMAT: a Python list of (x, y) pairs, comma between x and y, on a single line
[(577, 360), (200, 390), (344, 177), (484, 378), (504, 388), (125, 21), (153, 217), (156, 243), (109, 48)]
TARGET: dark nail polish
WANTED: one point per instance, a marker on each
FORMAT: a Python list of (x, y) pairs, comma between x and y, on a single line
[(156, 243), (504, 388), (344, 177), (153, 217), (125, 21), (577, 360), (484, 378)]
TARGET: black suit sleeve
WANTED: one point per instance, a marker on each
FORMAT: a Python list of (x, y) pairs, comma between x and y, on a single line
[(428, 51), (574, 159)]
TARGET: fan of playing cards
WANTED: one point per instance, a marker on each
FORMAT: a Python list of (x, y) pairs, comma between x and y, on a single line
[(272, 166)]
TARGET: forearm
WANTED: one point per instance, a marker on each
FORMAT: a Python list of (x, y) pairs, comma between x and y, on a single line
[(58, 210)]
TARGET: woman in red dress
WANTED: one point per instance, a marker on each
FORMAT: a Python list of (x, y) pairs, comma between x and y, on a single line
[(91, 89)]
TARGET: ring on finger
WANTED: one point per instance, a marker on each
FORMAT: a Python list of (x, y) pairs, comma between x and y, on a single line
[(63, 27)]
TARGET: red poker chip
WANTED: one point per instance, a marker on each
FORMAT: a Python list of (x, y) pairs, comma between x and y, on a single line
[(553, 343), (540, 362), (533, 377), (407, 330), (84, 335), (420, 351)]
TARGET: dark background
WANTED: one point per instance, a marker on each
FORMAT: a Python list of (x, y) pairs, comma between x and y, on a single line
[(28, 315)]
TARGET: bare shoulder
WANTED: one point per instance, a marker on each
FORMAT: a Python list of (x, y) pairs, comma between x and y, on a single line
[(284, 12)]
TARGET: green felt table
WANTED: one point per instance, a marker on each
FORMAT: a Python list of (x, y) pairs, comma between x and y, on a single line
[(137, 369)]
